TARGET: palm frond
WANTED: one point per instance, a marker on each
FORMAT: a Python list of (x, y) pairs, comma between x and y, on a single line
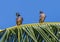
[(47, 32)]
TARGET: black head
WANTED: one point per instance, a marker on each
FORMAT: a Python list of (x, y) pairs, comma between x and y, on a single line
[(41, 12), (17, 14)]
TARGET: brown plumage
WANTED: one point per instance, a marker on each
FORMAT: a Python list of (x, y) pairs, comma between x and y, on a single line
[(42, 17), (19, 19)]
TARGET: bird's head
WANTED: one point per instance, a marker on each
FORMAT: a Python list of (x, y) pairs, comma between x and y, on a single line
[(17, 14)]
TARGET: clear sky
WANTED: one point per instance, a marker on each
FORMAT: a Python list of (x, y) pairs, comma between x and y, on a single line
[(29, 9)]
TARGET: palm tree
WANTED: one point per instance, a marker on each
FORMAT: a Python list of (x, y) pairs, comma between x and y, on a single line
[(45, 32)]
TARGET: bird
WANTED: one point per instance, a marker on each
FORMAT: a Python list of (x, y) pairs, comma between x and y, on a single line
[(42, 17), (19, 19)]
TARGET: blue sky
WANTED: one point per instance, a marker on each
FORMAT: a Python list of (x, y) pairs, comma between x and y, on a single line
[(29, 9)]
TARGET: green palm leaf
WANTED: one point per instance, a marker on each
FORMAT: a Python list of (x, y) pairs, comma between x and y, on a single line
[(47, 32)]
